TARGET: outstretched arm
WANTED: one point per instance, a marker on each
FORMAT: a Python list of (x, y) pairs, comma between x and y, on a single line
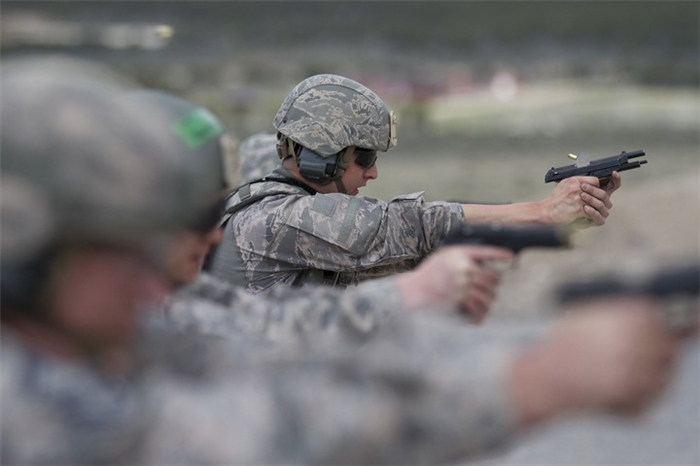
[(613, 354), (573, 198), (450, 280)]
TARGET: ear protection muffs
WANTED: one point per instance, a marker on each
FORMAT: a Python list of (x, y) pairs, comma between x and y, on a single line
[(315, 168)]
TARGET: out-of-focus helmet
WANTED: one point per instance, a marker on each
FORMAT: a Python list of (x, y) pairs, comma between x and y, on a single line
[(196, 130), (200, 137), (327, 113), (82, 164), (331, 115), (258, 156)]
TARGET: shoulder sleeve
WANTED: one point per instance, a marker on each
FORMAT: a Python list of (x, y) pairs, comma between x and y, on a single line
[(347, 233)]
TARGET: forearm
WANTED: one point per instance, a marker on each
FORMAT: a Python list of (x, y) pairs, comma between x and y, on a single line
[(535, 391), (331, 312), (216, 308), (375, 409), (522, 212)]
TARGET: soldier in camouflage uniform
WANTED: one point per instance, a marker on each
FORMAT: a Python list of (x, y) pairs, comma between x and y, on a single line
[(258, 156), (87, 193), (89, 182), (206, 305), (305, 224)]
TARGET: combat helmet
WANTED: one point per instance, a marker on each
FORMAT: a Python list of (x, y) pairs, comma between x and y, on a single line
[(201, 138), (80, 165), (330, 116), (258, 156)]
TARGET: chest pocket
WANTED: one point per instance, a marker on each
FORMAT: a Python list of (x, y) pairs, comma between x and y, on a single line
[(348, 222)]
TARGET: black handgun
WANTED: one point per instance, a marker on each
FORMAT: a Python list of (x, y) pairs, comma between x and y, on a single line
[(674, 283), (601, 168), (513, 237)]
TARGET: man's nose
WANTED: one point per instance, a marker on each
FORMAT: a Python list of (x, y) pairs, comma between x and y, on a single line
[(372, 172)]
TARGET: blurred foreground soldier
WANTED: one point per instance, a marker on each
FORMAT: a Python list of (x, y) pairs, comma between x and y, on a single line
[(305, 224), (450, 280), (258, 155), (420, 392), (88, 190)]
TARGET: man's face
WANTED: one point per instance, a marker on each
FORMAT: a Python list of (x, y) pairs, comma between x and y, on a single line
[(357, 175), (186, 254), (98, 293)]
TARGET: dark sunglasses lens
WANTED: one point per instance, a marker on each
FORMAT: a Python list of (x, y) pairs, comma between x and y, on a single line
[(209, 219), (365, 159)]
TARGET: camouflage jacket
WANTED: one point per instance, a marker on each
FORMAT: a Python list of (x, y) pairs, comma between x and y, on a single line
[(415, 394), (285, 235), (212, 307), (56, 412)]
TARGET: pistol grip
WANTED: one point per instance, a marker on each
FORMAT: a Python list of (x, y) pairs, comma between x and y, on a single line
[(607, 183)]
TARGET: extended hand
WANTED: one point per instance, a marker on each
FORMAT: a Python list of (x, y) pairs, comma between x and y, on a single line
[(611, 354), (454, 276), (581, 201)]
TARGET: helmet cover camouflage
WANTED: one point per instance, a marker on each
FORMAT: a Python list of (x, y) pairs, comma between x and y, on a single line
[(231, 162), (327, 113), (258, 154), (83, 164)]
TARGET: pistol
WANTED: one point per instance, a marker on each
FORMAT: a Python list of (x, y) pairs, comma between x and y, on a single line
[(513, 237), (601, 168), (675, 285)]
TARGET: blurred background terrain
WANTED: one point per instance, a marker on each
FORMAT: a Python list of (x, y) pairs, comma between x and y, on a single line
[(489, 96)]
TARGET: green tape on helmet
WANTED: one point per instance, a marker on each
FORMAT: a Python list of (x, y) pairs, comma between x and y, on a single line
[(197, 128)]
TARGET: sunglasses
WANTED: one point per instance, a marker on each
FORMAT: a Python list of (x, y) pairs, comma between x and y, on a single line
[(365, 158)]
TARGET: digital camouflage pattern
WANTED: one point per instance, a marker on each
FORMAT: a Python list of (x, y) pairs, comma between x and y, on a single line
[(422, 391), (289, 233), (258, 156), (231, 162), (89, 165), (58, 412), (327, 113), (214, 308)]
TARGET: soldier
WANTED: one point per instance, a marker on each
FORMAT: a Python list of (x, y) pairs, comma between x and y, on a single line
[(449, 280), (88, 191), (231, 162), (305, 224), (90, 182), (258, 154)]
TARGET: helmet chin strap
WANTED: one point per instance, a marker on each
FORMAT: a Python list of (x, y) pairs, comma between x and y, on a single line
[(341, 166)]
